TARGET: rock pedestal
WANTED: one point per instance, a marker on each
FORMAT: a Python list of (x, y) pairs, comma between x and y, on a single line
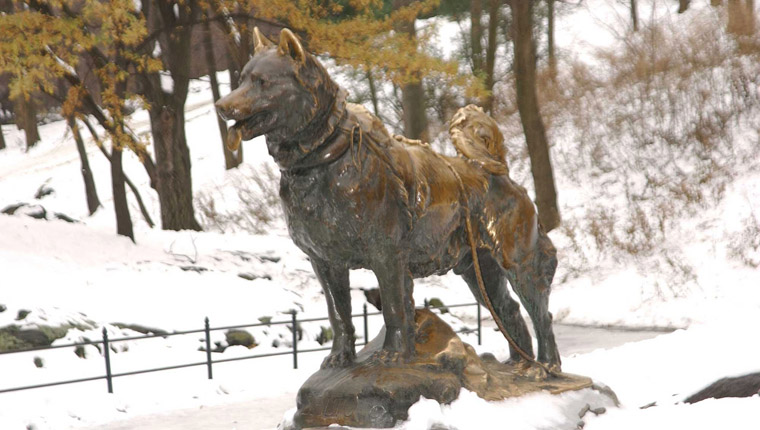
[(373, 395)]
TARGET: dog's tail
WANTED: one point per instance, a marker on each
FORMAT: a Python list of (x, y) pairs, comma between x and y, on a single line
[(476, 136)]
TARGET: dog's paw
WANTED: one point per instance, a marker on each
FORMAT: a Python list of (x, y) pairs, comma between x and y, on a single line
[(535, 371), (339, 359), (387, 358)]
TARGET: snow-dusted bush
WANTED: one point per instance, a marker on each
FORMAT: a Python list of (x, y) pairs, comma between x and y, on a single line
[(646, 138), (247, 201)]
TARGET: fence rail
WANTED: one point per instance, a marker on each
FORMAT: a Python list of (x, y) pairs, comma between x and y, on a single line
[(106, 342)]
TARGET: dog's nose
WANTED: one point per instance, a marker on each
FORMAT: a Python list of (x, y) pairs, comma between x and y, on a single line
[(222, 109)]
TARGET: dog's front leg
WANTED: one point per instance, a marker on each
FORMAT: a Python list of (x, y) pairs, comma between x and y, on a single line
[(335, 283), (395, 283)]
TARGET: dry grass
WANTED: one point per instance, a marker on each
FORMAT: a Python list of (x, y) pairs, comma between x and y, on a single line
[(254, 207), (655, 130)]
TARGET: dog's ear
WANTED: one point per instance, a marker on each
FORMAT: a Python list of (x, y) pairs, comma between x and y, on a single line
[(289, 45), (260, 42)]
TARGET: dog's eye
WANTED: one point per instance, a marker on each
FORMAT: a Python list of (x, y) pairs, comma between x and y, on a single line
[(257, 80)]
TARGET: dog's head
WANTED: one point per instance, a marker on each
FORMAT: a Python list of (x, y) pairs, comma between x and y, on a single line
[(281, 90)]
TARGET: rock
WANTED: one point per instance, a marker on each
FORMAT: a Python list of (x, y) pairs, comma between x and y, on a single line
[(80, 352), (584, 411), (64, 217), (34, 211), (3, 308), (252, 276), (368, 394), (13, 338), (240, 337), (39, 363), (269, 258), (43, 191), (437, 303), (22, 314), (141, 329), (325, 335), (196, 269), (373, 297), (11, 209), (740, 386)]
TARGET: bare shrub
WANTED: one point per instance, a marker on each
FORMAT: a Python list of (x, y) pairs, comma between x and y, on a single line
[(655, 131), (249, 202), (744, 245)]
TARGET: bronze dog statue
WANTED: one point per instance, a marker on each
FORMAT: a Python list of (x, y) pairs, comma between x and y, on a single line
[(356, 197)]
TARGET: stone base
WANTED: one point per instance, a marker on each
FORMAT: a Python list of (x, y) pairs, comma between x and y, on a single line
[(372, 395)]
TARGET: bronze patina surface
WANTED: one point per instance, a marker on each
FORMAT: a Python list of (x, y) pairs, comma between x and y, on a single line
[(355, 197), (371, 395)]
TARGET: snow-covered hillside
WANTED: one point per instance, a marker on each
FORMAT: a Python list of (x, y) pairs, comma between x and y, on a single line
[(84, 276)]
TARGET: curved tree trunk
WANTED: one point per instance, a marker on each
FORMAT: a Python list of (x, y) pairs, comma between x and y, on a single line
[(123, 220), (231, 159), (175, 186), (93, 202), (530, 115)]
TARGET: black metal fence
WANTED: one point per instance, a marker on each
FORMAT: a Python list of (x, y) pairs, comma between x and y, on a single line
[(106, 342)]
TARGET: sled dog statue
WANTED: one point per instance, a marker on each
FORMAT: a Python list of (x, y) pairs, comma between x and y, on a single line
[(356, 197)]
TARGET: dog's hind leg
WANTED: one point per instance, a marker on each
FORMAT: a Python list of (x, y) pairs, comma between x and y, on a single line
[(507, 309), (335, 283), (531, 279)]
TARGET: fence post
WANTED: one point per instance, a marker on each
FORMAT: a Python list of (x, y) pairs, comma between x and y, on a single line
[(107, 355), (208, 349), (479, 338), (295, 340), (366, 328)]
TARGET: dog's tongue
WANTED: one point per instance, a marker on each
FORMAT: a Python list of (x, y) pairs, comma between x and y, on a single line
[(234, 137)]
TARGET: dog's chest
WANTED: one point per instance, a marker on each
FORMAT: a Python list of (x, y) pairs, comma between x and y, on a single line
[(319, 216)]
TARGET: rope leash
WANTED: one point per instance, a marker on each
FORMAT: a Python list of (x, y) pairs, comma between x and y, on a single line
[(479, 274), (473, 248)]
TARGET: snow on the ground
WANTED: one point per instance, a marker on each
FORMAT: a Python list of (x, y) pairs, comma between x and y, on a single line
[(85, 276)]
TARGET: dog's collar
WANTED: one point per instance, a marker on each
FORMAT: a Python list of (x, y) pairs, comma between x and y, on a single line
[(334, 143)]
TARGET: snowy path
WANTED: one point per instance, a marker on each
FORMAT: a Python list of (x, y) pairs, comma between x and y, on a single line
[(259, 414), (265, 414)]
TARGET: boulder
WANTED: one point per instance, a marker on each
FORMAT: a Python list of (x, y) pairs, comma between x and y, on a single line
[(369, 394)]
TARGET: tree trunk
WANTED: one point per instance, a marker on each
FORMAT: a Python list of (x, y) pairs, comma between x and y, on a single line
[(476, 36), (26, 119), (493, 26), (741, 19), (530, 115), (550, 40), (175, 186), (123, 220), (683, 5), (231, 159), (373, 93), (2, 138), (167, 115), (130, 184), (751, 16), (413, 98), (93, 202), (634, 15)]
